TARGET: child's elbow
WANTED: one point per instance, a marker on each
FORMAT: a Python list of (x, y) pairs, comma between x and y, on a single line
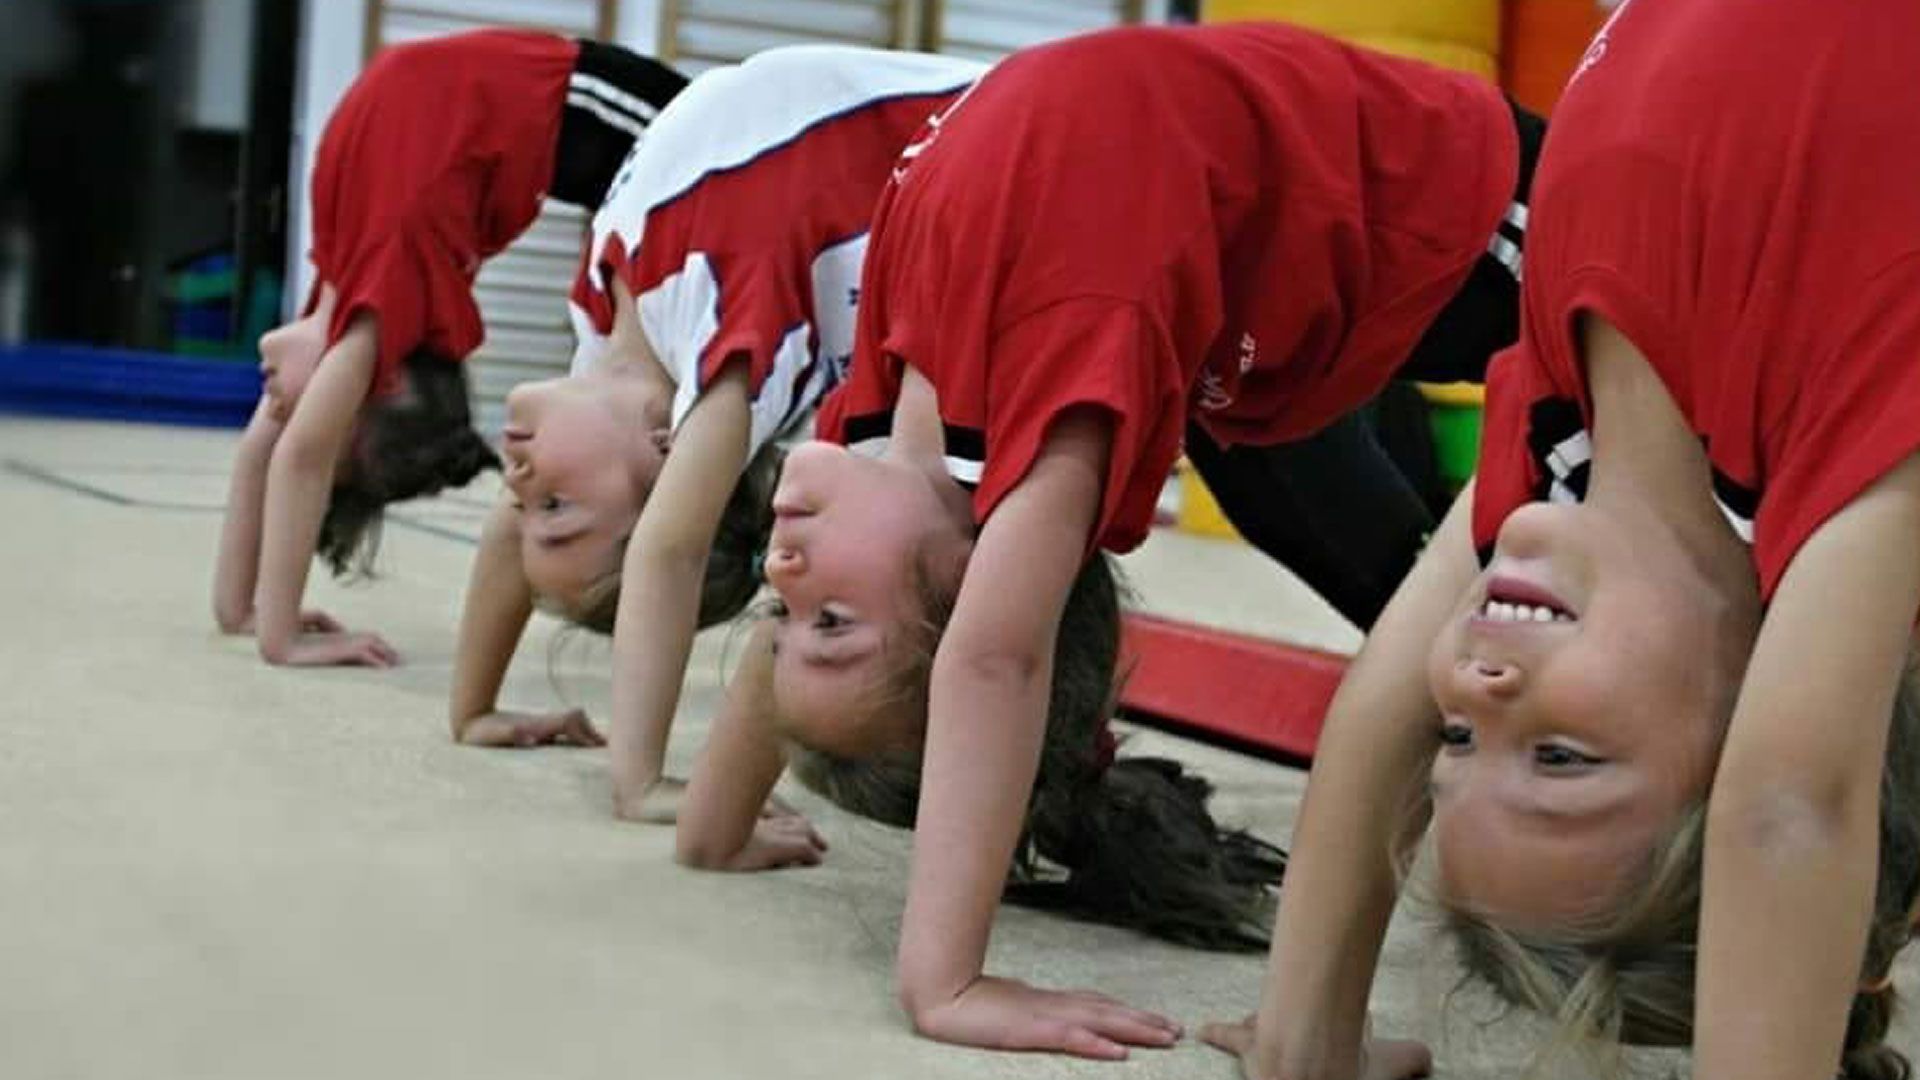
[(997, 663), (1785, 825)]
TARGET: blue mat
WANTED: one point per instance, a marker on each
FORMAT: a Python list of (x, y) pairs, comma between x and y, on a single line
[(123, 384)]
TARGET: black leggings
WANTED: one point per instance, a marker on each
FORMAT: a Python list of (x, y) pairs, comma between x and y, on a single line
[(1338, 509)]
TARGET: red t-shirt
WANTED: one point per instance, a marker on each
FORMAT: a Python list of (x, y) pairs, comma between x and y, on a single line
[(1249, 224), (1736, 186), (740, 223), (435, 160)]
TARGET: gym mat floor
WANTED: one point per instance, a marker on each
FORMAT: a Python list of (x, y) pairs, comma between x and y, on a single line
[(213, 869)]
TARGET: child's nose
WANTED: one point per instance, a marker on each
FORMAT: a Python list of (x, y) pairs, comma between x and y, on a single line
[(784, 564), (517, 472), (1496, 678)]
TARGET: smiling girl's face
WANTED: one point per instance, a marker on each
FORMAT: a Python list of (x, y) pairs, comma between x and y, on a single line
[(1584, 685)]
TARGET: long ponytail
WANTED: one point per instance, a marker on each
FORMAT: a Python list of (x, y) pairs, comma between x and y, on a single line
[(1123, 841)]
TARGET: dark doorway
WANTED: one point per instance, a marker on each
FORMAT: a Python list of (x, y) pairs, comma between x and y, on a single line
[(143, 160)]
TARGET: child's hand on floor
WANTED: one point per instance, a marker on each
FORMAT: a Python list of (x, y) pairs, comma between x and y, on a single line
[(656, 804), (777, 843), (521, 730), (1380, 1059), (660, 802), (1005, 1014), (311, 622), (340, 648)]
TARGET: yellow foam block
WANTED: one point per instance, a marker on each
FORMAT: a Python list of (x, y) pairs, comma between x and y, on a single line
[(1470, 24), (1199, 510), (1438, 53)]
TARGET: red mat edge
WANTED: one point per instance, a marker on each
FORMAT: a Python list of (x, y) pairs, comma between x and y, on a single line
[(1245, 688)]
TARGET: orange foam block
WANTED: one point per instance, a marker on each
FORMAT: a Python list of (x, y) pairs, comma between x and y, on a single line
[(1237, 687)]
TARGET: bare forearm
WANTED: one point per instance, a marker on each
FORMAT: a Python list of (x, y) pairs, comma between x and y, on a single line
[(986, 723), (738, 769), (653, 635), (1341, 882), (297, 487), (1783, 925), (237, 565), (498, 605), (1792, 848)]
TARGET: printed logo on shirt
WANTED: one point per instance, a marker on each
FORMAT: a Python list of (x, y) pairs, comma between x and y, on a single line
[(929, 133), (1597, 50), (1213, 393)]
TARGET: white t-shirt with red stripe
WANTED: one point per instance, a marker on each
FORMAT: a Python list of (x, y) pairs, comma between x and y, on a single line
[(740, 223)]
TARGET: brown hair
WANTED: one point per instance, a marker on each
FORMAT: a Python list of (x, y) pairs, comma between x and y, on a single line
[(733, 564), (407, 447), (1629, 977), (1131, 839)]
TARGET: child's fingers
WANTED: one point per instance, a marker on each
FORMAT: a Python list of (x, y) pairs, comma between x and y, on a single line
[(1234, 1037), (1131, 1026), (581, 732), (1095, 1004), (376, 654), (797, 831), (1081, 1042)]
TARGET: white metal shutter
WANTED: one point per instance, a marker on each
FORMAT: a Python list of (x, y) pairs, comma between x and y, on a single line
[(522, 292), (700, 34), (990, 29)]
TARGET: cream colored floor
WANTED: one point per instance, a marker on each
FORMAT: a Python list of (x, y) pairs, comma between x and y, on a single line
[(211, 869)]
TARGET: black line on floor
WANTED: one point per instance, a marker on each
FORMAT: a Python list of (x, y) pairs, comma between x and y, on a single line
[(51, 479), (142, 470)]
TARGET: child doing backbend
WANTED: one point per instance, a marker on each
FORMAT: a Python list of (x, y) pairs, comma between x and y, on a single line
[(438, 157), (715, 308), (1652, 724), (1250, 226)]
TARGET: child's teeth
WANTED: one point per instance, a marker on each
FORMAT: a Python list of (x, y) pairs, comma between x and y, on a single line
[(1504, 612)]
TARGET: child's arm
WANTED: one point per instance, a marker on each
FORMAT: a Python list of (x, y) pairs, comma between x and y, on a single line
[(237, 566), (724, 824), (499, 603), (1375, 751), (661, 576), (1792, 825), (299, 479), (987, 718)]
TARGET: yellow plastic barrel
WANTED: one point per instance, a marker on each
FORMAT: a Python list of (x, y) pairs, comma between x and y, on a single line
[(1463, 35)]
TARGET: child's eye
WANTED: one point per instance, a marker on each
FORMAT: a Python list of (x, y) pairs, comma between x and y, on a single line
[(1456, 737), (550, 504), (1556, 756), (830, 620)]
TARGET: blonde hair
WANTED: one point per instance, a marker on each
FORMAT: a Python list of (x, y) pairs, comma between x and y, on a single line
[(1628, 976)]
